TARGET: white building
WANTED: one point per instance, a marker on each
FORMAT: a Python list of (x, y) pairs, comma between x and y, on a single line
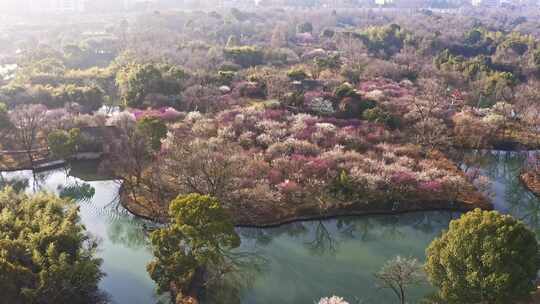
[(485, 3), (57, 6)]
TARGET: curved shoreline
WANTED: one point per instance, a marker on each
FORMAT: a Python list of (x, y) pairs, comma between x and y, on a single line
[(350, 210), (349, 214), (531, 182)]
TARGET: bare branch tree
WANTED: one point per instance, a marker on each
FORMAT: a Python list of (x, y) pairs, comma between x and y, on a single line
[(28, 121), (400, 273)]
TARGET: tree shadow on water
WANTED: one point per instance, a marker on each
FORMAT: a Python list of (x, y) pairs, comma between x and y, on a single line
[(79, 192), (230, 289), (324, 242)]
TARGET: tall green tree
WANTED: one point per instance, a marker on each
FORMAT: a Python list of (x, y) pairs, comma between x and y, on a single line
[(245, 56), (137, 81), (4, 117), (28, 123), (5, 123), (46, 256), (196, 241), (90, 98), (484, 257), (384, 41), (154, 130), (63, 144)]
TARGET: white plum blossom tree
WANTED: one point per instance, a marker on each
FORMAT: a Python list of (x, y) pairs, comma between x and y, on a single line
[(333, 300)]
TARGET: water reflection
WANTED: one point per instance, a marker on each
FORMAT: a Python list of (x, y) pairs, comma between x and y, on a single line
[(78, 191), (308, 260), (128, 232), (247, 265), (511, 196), (17, 183), (323, 241)]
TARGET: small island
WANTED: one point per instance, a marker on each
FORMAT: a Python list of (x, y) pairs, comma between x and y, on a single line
[(279, 181)]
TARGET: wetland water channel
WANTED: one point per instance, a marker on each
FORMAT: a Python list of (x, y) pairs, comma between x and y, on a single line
[(295, 263)]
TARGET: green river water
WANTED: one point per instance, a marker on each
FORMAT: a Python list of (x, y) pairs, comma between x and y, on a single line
[(295, 263)]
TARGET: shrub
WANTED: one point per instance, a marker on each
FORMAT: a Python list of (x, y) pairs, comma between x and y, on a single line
[(251, 89), (292, 146), (344, 187), (297, 74), (5, 123), (153, 130), (344, 90), (332, 63), (245, 56), (354, 106), (226, 77), (353, 72), (294, 99), (64, 144), (229, 67), (305, 27), (379, 115), (328, 33)]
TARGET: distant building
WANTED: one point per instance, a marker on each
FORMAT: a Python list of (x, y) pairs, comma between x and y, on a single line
[(57, 6), (519, 2), (498, 3), (70, 6), (485, 3), (383, 2), (107, 6), (236, 3)]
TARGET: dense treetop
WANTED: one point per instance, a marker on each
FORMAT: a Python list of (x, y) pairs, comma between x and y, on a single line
[(45, 253), (484, 257)]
